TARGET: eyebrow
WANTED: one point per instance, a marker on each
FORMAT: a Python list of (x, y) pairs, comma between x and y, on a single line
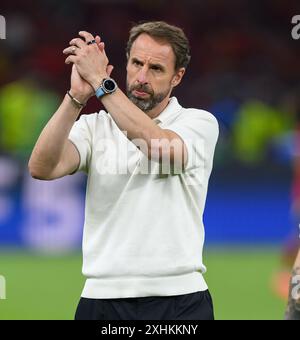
[(134, 59)]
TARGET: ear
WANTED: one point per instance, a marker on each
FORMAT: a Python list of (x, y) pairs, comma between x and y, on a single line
[(178, 77)]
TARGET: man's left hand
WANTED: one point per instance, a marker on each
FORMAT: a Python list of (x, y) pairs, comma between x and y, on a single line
[(90, 59)]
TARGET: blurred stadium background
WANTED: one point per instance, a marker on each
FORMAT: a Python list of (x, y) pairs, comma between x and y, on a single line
[(245, 70)]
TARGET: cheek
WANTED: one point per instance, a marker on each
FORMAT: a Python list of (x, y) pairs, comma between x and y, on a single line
[(164, 83), (130, 76)]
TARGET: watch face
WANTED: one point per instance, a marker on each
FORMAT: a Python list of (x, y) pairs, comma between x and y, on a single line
[(109, 85)]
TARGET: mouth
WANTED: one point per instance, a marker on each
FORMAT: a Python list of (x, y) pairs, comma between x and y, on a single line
[(140, 93)]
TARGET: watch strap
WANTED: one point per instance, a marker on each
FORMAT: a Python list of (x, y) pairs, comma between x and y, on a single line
[(100, 92)]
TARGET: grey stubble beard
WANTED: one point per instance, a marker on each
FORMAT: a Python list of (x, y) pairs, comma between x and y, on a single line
[(146, 104)]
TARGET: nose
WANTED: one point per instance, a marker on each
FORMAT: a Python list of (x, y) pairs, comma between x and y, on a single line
[(142, 76)]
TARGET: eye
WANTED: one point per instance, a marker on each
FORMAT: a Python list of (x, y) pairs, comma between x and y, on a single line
[(156, 68), (137, 63)]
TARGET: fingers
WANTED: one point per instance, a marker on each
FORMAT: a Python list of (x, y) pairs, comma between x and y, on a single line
[(100, 43), (98, 39), (70, 50), (77, 42), (71, 59), (101, 46), (79, 47), (86, 35)]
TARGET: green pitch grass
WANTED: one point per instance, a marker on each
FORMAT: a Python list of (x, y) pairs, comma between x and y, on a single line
[(39, 287)]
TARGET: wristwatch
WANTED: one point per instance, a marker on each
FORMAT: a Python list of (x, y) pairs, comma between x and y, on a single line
[(108, 86)]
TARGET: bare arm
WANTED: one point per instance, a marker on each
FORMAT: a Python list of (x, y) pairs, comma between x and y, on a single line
[(54, 155), (293, 307)]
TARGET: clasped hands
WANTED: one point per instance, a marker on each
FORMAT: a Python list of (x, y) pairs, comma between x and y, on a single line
[(89, 61)]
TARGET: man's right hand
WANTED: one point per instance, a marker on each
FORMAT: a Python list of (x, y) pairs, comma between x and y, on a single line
[(81, 89)]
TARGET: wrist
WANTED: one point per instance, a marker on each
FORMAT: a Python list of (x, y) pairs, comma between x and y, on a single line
[(82, 98), (79, 101), (108, 86), (97, 81)]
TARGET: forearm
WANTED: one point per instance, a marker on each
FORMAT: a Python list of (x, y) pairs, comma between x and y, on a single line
[(49, 146), (129, 118), (293, 307)]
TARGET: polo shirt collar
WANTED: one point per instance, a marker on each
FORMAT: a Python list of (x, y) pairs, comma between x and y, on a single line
[(172, 109)]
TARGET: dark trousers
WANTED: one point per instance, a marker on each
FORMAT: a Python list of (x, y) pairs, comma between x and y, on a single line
[(194, 306)]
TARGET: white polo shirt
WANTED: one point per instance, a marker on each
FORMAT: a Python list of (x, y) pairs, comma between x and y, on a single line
[(143, 232)]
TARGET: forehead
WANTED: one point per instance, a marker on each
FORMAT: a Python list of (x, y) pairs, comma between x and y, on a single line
[(151, 49)]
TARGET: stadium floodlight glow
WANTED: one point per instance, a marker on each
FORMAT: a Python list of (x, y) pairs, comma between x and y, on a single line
[(2, 288), (2, 27), (296, 29)]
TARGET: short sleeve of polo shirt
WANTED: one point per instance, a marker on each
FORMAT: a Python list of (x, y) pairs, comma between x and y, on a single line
[(199, 130), (81, 136)]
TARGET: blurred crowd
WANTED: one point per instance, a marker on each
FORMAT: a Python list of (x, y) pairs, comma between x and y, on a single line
[(244, 67)]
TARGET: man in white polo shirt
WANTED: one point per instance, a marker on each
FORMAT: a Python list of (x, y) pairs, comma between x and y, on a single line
[(148, 162)]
